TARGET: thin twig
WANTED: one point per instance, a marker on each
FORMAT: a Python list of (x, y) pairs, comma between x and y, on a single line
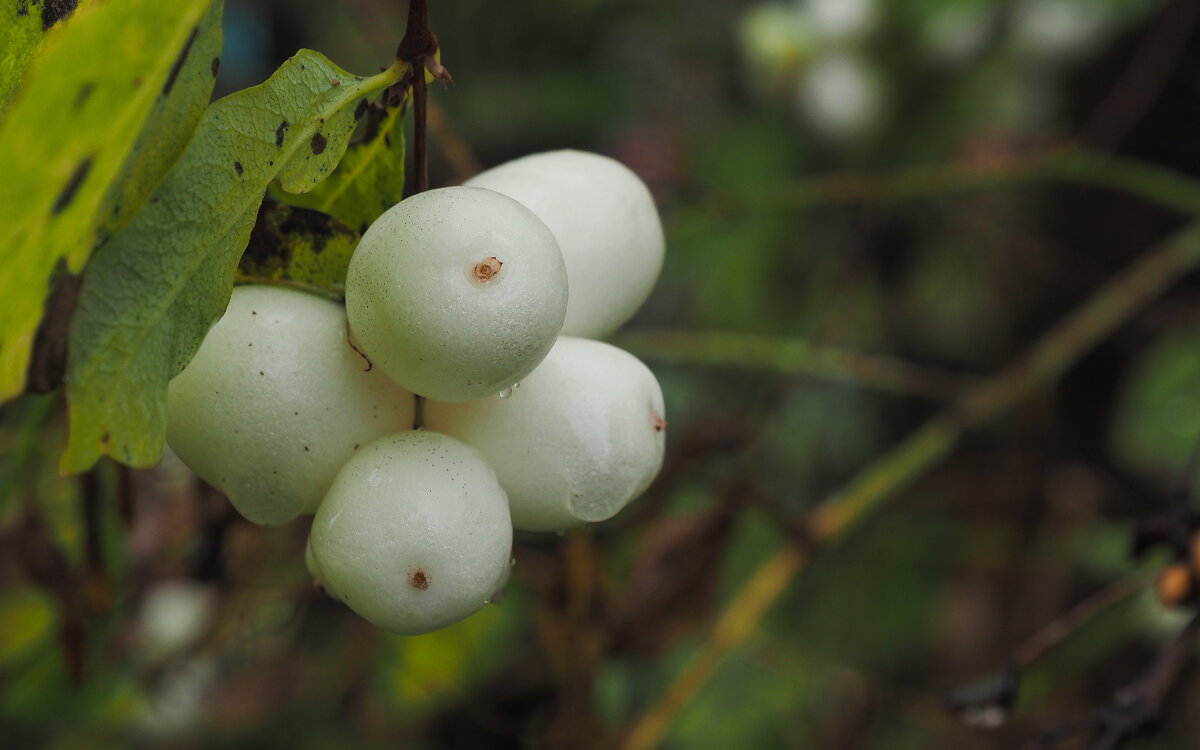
[(1068, 165), (797, 357), (1043, 363), (1134, 707), (463, 161), (1085, 611)]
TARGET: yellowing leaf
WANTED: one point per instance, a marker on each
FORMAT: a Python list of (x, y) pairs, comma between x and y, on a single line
[(370, 179), (63, 142), (290, 244), (151, 293), (172, 122), (23, 26)]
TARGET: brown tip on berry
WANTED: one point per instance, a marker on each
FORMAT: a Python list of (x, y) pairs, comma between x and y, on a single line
[(657, 422), (419, 579), (487, 268)]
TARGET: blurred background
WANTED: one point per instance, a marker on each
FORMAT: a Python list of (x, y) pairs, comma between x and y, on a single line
[(867, 214)]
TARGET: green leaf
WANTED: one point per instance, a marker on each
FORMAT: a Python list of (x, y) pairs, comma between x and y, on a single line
[(172, 122), (23, 26), (65, 140), (370, 179), (151, 293), (290, 244)]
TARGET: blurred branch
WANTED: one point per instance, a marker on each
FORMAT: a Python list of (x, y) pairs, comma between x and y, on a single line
[(1043, 363), (1147, 73), (462, 159), (737, 623), (987, 702), (796, 357), (1082, 613), (1069, 165), (1136, 706)]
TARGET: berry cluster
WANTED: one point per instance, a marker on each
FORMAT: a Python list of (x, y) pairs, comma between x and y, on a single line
[(294, 404)]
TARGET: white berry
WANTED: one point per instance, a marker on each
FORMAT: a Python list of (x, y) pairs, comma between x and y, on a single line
[(606, 224), (276, 400), (575, 442), (456, 293), (414, 533)]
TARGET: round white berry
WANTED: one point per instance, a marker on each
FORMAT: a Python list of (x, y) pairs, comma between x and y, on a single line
[(276, 400), (574, 442), (414, 533), (606, 224), (456, 293)]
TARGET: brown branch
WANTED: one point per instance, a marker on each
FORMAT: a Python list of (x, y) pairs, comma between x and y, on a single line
[(417, 49), (420, 147), (1137, 706), (1057, 631)]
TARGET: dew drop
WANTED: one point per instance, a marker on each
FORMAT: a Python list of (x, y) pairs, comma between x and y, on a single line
[(505, 393)]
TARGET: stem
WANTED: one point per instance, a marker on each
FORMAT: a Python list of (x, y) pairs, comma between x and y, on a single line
[(1069, 165), (418, 45), (797, 357), (1043, 363), (1085, 611), (420, 155)]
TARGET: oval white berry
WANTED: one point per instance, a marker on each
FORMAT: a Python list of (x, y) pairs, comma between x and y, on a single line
[(276, 400), (607, 228), (414, 533), (456, 293), (575, 442)]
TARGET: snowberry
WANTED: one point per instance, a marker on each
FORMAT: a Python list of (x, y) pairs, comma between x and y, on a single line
[(456, 293), (575, 442), (606, 225), (276, 400), (841, 95), (414, 533)]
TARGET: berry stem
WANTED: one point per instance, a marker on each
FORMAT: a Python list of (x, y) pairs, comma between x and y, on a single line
[(419, 44)]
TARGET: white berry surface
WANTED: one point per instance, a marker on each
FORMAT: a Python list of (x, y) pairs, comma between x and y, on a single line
[(575, 442), (414, 533), (276, 400), (456, 293), (606, 224)]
